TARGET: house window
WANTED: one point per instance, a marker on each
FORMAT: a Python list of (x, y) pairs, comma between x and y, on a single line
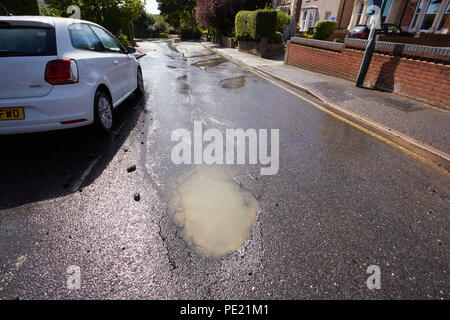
[(360, 13), (445, 16), (308, 19), (430, 14)]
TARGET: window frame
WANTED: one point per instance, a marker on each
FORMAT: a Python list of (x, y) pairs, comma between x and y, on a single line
[(103, 48)]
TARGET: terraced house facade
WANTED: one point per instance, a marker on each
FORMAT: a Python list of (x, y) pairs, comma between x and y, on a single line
[(419, 16)]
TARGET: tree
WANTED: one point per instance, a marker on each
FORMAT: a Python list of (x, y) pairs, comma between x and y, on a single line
[(22, 7), (220, 14), (115, 15), (143, 23), (178, 13)]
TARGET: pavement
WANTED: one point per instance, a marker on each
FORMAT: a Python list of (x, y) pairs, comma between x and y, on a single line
[(343, 200), (426, 125)]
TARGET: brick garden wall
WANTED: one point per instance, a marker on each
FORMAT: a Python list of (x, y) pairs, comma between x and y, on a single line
[(422, 73)]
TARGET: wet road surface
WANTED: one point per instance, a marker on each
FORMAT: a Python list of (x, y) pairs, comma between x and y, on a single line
[(340, 202)]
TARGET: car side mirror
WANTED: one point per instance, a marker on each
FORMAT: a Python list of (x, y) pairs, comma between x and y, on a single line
[(131, 50)]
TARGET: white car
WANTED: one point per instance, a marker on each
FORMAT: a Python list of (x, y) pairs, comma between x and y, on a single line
[(58, 73)]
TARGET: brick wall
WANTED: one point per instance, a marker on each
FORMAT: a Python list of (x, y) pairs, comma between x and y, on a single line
[(403, 69), (227, 42)]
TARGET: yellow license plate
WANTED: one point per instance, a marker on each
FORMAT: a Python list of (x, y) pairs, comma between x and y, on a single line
[(16, 113)]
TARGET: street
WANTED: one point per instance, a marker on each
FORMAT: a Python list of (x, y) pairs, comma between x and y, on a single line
[(341, 201)]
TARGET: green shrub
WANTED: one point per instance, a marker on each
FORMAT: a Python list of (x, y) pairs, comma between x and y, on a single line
[(172, 30), (324, 29), (241, 25), (216, 35), (161, 35), (124, 40), (282, 20), (186, 33), (262, 23), (278, 38)]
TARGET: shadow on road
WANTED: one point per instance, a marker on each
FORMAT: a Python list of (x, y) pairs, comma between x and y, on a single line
[(35, 167)]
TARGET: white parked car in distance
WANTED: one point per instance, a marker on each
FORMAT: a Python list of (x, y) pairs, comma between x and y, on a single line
[(58, 73)]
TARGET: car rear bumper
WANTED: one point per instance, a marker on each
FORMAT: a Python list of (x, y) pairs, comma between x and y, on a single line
[(65, 107)]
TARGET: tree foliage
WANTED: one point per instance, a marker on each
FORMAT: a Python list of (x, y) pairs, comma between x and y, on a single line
[(114, 15), (220, 14), (22, 7), (178, 13)]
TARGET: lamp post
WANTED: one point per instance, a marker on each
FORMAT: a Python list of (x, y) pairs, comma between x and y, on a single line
[(370, 48)]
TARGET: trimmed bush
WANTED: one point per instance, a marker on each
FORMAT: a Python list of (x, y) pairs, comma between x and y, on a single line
[(324, 29), (241, 25), (282, 20), (262, 23)]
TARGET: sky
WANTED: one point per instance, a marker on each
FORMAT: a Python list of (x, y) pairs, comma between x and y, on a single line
[(152, 7)]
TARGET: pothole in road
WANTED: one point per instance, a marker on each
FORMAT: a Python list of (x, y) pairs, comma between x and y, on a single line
[(214, 213), (210, 63), (233, 83)]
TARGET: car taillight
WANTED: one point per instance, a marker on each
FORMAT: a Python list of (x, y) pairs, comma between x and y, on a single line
[(363, 35), (61, 72)]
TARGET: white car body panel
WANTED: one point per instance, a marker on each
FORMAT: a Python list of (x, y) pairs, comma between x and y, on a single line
[(46, 106)]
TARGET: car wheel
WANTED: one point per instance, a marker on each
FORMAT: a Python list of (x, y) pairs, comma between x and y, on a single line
[(140, 83), (103, 112)]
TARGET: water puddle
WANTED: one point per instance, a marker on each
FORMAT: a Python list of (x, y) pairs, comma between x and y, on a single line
[(213, 212), (171, 45), (209, 63), (184, 88), (233, 83)]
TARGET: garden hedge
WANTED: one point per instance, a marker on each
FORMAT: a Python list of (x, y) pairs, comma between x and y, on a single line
[(324, 29), (254, 25), (262, 23), (241, 25)]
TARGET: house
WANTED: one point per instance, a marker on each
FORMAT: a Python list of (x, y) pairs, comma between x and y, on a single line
[(308, 12), (429, 16), (288, 6), (419, 16), (312, 11)]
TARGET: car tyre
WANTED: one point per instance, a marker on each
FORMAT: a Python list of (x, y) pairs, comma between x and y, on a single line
[(103, 112), (140, 83)]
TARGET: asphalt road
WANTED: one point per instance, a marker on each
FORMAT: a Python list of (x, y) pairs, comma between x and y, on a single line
[(341, 201)]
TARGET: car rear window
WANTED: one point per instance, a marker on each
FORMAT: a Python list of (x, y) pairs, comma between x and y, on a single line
[(27, 41)]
